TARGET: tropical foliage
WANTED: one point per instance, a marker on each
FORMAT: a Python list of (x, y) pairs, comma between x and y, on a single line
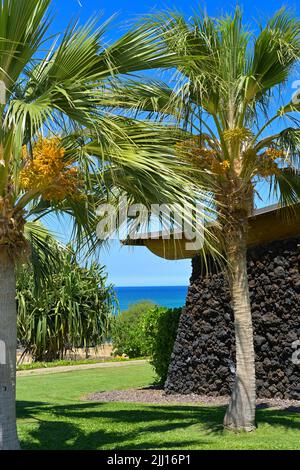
[(70, 139), (65, 147), (74, 310)]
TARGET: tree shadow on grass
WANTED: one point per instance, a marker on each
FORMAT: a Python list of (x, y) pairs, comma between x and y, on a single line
[(94, 425), (287, 418), (85, 426)]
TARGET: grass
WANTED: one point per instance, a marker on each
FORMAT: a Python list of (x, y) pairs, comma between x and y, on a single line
[(72, 362), (52, 415)]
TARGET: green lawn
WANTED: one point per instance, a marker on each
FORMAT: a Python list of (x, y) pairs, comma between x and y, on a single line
[(52, 415)]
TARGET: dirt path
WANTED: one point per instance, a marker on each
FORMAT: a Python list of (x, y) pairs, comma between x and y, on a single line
[(59, 369), (159, 397)]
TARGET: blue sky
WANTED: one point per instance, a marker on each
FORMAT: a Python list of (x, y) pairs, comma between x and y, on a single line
[(137, 266)]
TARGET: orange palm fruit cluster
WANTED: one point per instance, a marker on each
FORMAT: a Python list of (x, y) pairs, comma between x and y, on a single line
[(267, 165), (274, 154), (48, 172), (202, 157)]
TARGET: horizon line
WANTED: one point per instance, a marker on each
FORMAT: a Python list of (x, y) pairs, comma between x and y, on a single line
[(157, 285)]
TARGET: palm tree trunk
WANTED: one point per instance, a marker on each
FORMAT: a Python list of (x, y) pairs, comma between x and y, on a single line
[(8, 345), (240, 414)]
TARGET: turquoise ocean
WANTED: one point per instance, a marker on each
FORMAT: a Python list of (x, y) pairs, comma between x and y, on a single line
[(166, 296)]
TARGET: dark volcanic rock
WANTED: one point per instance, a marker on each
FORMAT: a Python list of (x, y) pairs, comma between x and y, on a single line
[(203, 357)]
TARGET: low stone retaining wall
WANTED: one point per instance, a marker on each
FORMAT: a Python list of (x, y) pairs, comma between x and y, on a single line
[(203, 357), (101, 352)]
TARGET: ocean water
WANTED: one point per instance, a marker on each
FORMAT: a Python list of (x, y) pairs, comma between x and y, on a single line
[(166, 296)]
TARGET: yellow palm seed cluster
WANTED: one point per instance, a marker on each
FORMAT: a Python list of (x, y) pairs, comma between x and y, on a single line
[(220, 168), (274, 154), (202, 157), (267, 165), (48, 173), (269, 169), (236, 135), (225, 164)]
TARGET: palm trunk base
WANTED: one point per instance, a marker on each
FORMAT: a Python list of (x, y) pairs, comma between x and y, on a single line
[(11, 443), (8, 345), (240, 414), (234, 423)]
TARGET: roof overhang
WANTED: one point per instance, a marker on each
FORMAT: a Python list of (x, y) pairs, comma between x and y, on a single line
[(268, 224)]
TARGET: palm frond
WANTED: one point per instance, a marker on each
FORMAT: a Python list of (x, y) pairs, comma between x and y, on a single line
[(276, 52), (43, 248), (22, 31), (286, 187), (139, 49), (148, 97)]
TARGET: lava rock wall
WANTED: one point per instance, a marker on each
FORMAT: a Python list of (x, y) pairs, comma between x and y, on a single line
[(203, 357)]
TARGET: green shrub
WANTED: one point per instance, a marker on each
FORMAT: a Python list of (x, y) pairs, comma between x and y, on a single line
[(160, 327), (146, 329), (127, 334)]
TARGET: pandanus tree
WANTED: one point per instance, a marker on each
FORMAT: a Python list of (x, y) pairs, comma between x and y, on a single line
[(62, 150), (75, 310), (228, 96)]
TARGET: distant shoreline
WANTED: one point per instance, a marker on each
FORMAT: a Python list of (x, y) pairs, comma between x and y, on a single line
[(142, 287)]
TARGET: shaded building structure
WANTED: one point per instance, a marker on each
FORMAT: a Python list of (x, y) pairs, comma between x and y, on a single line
[(202, 361)]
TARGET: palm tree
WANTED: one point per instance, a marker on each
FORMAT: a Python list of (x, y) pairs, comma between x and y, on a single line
[(228, 96), (62, 151)]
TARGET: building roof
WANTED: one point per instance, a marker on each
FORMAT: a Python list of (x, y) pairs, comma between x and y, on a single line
[(267, 224)]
